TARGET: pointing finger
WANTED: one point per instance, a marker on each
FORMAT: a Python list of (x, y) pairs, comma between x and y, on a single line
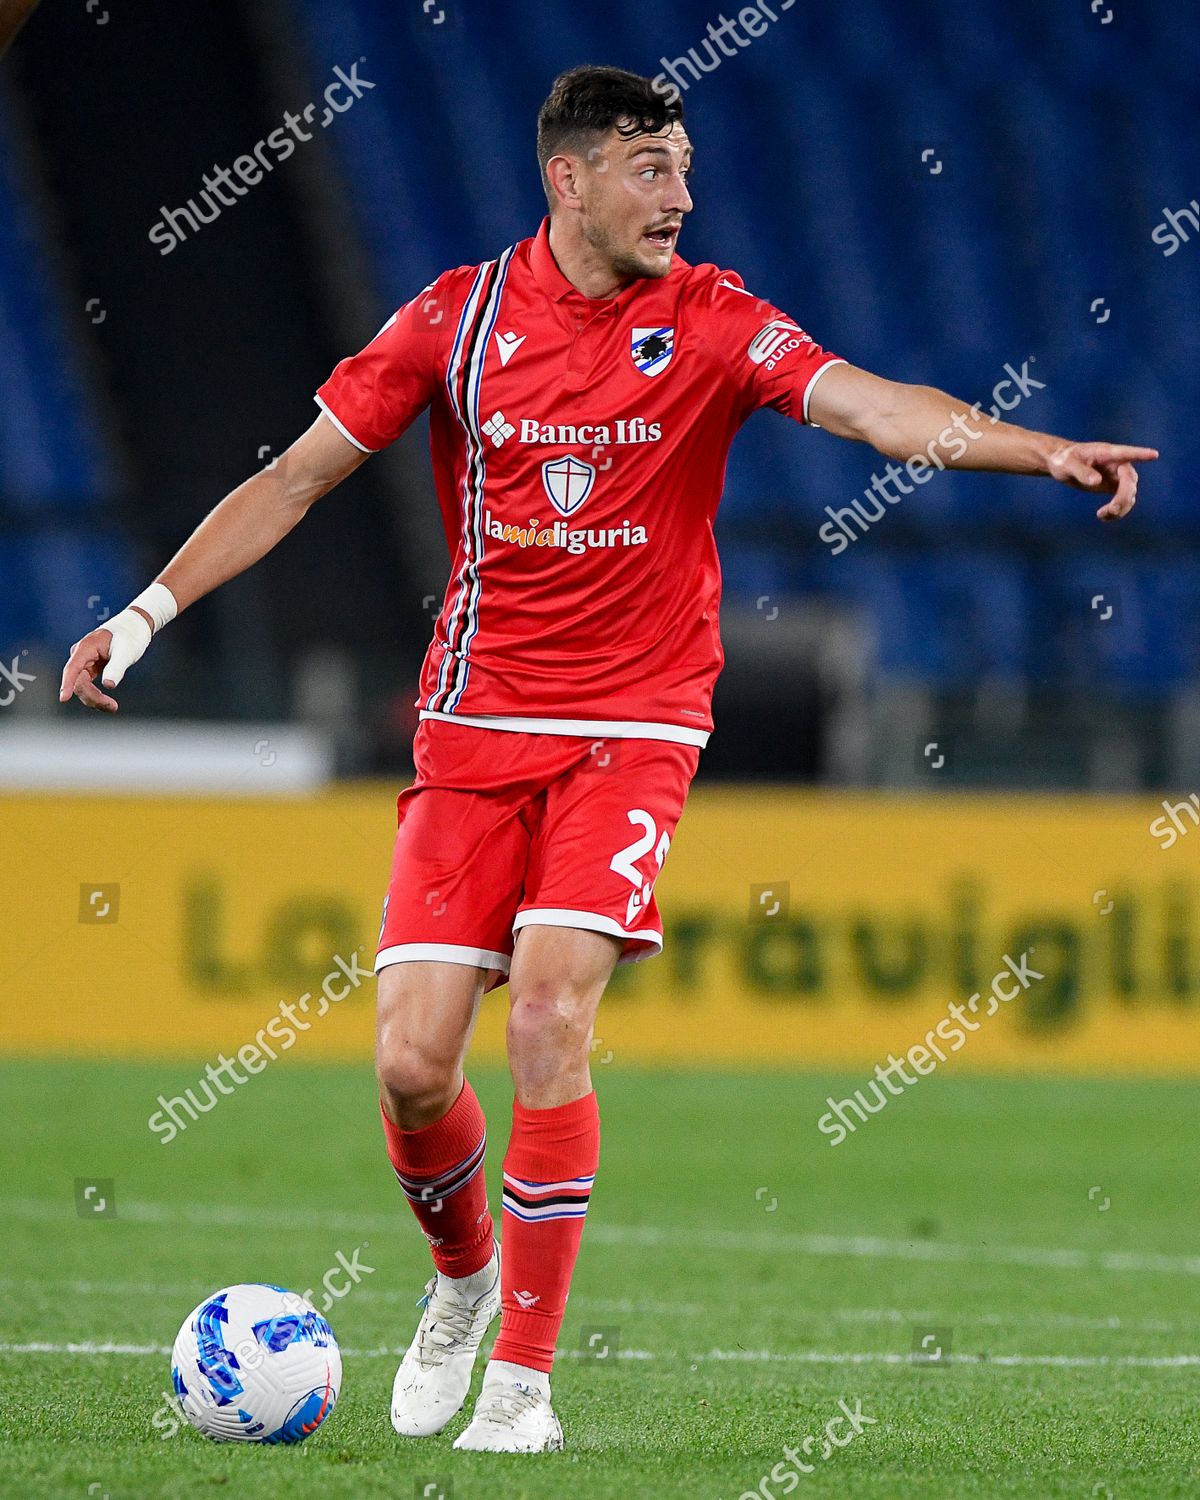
[(1122, 453)]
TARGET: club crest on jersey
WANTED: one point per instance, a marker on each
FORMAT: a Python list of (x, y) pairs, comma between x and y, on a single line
[(652, 349), (568, 481)]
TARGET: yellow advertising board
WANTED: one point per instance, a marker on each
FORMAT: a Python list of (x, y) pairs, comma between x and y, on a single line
[(801, 928)]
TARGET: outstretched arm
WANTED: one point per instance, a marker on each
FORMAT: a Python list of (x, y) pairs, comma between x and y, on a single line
[(241, 529), (923, 427)]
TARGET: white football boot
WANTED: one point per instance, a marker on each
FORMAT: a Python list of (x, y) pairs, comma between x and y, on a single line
[(435, 1374), (513, 1413)]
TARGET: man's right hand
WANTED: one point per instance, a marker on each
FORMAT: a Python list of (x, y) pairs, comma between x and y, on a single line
[(243, 528), (103, 656)]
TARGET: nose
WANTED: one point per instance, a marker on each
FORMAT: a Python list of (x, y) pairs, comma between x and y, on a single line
[(677, 199)]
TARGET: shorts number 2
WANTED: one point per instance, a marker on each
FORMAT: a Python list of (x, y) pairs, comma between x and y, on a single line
[(624, 862)]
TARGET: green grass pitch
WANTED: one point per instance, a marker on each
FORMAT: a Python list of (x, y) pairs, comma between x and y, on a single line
[(739, 1276)]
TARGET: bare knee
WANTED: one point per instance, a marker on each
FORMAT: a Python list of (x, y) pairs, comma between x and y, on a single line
[(419, 1050), (416, 1084), (558, 975), (550, 1033)]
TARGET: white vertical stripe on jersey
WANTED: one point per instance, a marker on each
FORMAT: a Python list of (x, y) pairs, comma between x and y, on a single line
[(474, 320), (474, 385), (466, 318)]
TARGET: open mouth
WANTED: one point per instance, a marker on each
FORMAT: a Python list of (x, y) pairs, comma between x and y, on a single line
[(664, 238)]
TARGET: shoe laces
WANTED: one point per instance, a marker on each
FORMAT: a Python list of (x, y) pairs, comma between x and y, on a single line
[(447, 1324), (507, 1404)]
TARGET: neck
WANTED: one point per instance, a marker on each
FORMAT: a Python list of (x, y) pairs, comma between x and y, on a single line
[(581, 263)]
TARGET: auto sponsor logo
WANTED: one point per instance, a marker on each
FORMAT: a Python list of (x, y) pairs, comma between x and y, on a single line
[(774, 342)]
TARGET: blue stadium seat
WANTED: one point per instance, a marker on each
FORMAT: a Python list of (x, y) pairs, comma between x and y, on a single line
[(1046, 203), (17, 610), (73, 580), (1128, 625), (51, 452), (751, 569)]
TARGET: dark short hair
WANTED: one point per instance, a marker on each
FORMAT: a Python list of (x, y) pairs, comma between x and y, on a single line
[(585, 103)]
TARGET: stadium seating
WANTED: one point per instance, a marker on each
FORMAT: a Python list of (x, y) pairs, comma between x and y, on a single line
[(934, 201), (54, 471), (50, 451), (811, 183)]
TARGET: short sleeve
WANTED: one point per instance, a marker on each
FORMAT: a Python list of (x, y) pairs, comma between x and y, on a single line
[(373, 396), (767, 355)]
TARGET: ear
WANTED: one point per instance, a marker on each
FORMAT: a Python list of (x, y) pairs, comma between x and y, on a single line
[(563, 172)]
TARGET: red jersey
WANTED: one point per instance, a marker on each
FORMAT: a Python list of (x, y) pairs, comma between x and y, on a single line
[(579, 450)]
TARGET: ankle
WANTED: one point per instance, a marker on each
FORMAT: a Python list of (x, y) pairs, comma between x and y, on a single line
[(504, 1370), (476, 1283)]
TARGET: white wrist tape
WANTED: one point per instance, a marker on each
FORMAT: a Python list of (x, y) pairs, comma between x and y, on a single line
[(159, 603), (130, 633)]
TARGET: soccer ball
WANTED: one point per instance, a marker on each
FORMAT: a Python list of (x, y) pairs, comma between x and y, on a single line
[(256, 1364)]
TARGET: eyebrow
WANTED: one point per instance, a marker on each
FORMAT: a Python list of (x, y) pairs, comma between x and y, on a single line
[(658, 151)]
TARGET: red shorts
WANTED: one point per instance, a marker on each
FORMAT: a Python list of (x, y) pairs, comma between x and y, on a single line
[(502, 830)]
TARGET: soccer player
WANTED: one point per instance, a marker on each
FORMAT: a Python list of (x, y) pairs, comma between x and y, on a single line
[(584, 388)]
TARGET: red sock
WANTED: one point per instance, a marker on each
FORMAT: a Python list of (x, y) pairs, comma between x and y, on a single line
[(440, 1169), (548, 1175)]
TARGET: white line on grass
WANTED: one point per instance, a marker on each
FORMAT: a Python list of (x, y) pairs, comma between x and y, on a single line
[(724, 1356), (85, 1347), (867, 1247), (993, 1319), (191, 1291), (404, 1295), (1080, 1361), (872, 1247)]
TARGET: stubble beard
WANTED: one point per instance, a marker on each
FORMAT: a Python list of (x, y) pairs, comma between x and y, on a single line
[(625, 265)]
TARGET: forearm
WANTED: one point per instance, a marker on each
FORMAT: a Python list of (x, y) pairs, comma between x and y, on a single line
[(925, 429), (232, 537), (919, 422), (243, 528), (259, 513)]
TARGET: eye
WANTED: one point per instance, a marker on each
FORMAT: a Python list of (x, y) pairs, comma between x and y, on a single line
[(648, 172)]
